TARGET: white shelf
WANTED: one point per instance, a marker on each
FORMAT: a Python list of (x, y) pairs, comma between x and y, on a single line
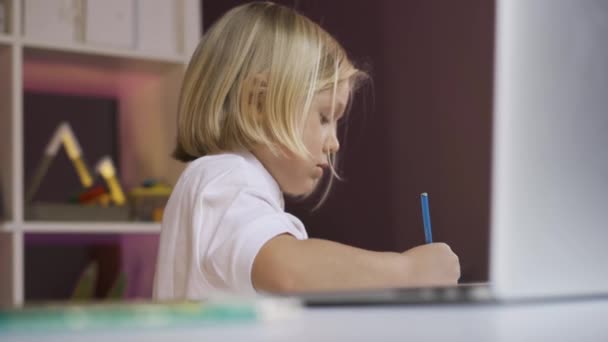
[(105, 52), (146, 85), (82, 227)]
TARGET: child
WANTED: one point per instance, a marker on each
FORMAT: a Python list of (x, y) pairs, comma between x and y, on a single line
[(257, 119)]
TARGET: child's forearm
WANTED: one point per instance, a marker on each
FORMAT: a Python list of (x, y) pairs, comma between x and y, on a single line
[(285, 264)]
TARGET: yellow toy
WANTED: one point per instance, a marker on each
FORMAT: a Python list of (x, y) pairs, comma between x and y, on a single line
[(105, 167), (63, 136)]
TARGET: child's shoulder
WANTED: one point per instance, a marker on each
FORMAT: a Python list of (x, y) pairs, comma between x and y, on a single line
[(232, 165), (222, 177), (226, 173), (230, 168)]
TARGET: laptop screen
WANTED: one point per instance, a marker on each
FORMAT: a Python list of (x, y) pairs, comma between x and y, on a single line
[(550, 157)]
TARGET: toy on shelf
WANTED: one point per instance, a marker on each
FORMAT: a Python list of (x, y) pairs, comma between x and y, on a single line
[(106, 169), (96, 195), (63, 136), (92, 204), (148, 200), (84, 291)]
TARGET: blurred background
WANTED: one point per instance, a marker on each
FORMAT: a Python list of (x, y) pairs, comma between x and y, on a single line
[(423, 124)]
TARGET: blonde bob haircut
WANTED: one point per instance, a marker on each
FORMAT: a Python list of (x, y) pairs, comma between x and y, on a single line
[(252, 79)]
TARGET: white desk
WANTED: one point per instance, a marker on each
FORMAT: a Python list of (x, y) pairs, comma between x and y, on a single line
[(553, 321)]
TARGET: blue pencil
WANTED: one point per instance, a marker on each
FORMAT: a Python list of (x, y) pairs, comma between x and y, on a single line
[(426, 217)]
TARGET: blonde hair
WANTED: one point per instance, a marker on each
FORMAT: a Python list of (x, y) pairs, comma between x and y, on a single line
[(251, 81)]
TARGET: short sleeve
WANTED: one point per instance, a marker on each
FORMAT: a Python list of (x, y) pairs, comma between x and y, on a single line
[(250, 221)]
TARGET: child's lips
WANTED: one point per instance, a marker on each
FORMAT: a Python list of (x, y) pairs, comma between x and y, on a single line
[(321, 169)]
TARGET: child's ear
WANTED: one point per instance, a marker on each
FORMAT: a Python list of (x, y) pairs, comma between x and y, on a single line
[(258, 86)]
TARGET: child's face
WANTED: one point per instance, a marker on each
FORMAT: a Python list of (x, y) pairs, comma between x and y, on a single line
[(297, 176)]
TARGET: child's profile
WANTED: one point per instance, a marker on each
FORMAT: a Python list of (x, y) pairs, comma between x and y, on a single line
[(257, 119)]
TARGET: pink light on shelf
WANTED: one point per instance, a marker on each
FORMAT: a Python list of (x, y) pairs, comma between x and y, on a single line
[(75, 79)]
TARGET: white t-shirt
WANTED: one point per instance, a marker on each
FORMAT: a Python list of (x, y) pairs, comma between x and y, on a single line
[(223, 209)]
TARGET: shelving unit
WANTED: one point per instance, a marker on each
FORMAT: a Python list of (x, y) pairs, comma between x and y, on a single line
[(82, 227), (146, 85), (6, 39), (82, 49)]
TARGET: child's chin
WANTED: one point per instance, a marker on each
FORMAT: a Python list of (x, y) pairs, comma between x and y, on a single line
[(305, 190)]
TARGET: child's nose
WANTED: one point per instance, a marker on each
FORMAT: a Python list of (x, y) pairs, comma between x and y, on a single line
[(332, 144)]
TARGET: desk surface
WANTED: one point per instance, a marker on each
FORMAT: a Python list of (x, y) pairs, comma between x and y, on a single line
[(585, 320)]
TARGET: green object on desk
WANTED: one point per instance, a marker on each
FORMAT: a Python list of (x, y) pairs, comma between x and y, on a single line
[(120, 316)]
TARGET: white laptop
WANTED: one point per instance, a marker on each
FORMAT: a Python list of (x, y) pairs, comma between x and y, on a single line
[(549, 210)]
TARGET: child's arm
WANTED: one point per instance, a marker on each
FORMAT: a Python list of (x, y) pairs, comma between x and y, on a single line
[(285, 264)]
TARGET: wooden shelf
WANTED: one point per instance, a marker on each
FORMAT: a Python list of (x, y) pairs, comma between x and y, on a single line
[(82, 227)]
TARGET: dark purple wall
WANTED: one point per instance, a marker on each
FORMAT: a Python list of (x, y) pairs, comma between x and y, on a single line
[(424, 126)]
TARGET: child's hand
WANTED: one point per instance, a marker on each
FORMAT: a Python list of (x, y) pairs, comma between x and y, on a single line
[(434, 264)]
